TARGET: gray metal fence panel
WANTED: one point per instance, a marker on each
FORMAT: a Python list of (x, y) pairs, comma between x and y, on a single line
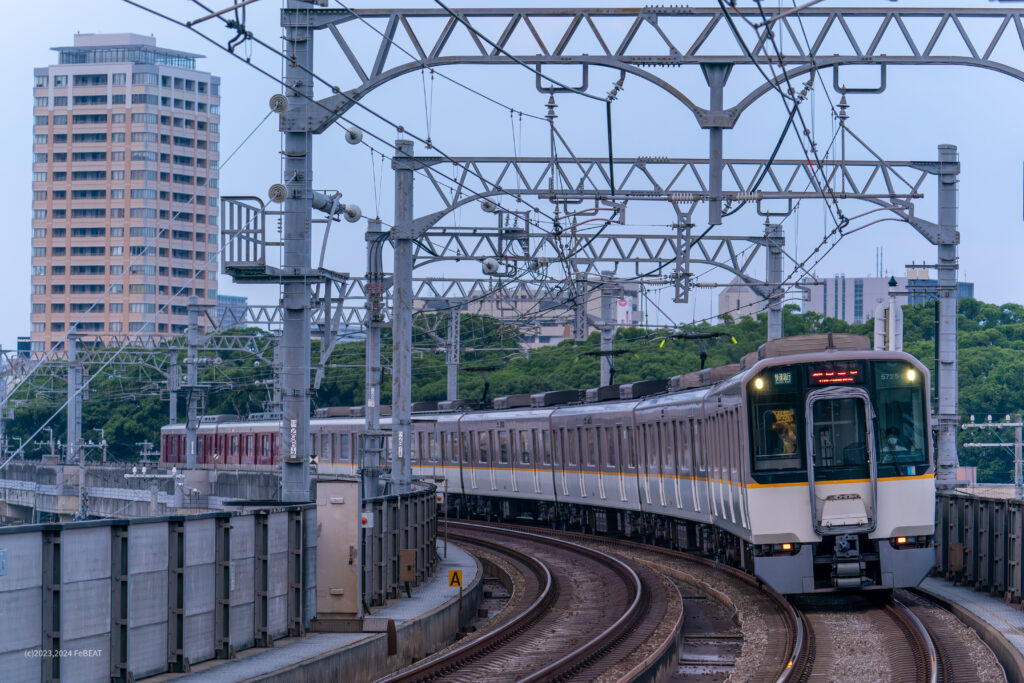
[(21, 594), (147, 601), (243, 551), (85, 602), (200, 593), (277, 588)]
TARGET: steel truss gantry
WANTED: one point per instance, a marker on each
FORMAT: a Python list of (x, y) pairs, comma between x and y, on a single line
[(635, 42), (639, 41)]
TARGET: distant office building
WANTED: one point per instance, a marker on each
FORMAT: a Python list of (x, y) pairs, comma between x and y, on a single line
[(125, 144), (854, 299), (738, 300), (231, 309)]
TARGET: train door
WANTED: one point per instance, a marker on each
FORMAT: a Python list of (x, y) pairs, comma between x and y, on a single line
[(547, 443), (730, 461), (700, 460), (741, 466), (839, 425), (643, 441), (615, 458), (562, 458), (473, 455), (483, 444), (673, 469), (657, 469), (492, 439), (506, 465), (595, 458), (687, 466), (576, 436), (527, 448)]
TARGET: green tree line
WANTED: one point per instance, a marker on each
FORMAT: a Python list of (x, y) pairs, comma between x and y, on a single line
[(991, 354)]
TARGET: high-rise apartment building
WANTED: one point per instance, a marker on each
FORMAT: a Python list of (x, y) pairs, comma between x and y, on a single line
[(124, 212)]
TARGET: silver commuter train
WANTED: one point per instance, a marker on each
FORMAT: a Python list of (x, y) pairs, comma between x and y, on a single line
[(809, 463)]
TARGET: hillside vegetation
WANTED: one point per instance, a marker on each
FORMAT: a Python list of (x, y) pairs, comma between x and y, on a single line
[(991, 341)]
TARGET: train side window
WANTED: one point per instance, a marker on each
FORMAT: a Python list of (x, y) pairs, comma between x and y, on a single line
[(683, 441), (574, 447), (503, 447), (432, 442), (482, 445), (546, 439), (464, 443), (611, 460), (669, 429), (775, 444), (524, 446), (345, 441), (199, 448), (652, 446), (628, 446), (591, 442), (560, 447), (698, 450), (234, 446)]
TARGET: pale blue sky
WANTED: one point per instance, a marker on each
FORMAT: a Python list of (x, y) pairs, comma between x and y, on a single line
[(975, 109)]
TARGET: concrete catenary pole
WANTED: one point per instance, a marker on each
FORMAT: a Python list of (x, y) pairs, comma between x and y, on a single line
[(192, 382), (947, 415), (401, 322), (776, 238), (609, 298), (3, 404), (372, 445), (1018, 466), (74, 400), (453, 349), (295, 262), (173, 382)]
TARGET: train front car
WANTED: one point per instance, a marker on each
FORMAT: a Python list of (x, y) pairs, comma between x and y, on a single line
[(841, 485)]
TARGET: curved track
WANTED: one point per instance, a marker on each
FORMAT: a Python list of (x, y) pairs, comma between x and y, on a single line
[(853, 633), (584, 605), (785, 648)]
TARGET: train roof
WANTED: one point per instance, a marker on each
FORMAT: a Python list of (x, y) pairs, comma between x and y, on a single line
[(642, 394)]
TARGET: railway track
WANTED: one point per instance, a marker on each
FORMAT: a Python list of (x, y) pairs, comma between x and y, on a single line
[(584, 610), (823, 638), (710, 642), (849, 636)]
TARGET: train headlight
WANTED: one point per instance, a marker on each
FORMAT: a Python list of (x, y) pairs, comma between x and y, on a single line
[(759, 383), (900, 540), (787, 547), (911, 375)]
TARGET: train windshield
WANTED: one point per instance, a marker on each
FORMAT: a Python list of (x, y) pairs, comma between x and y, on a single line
[(899, 406), (776, 411), (779, 423)]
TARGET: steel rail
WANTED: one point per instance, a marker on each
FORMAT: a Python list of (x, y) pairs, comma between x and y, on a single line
[(918, 632), (594, 647), (432, 667), (798, 636)]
